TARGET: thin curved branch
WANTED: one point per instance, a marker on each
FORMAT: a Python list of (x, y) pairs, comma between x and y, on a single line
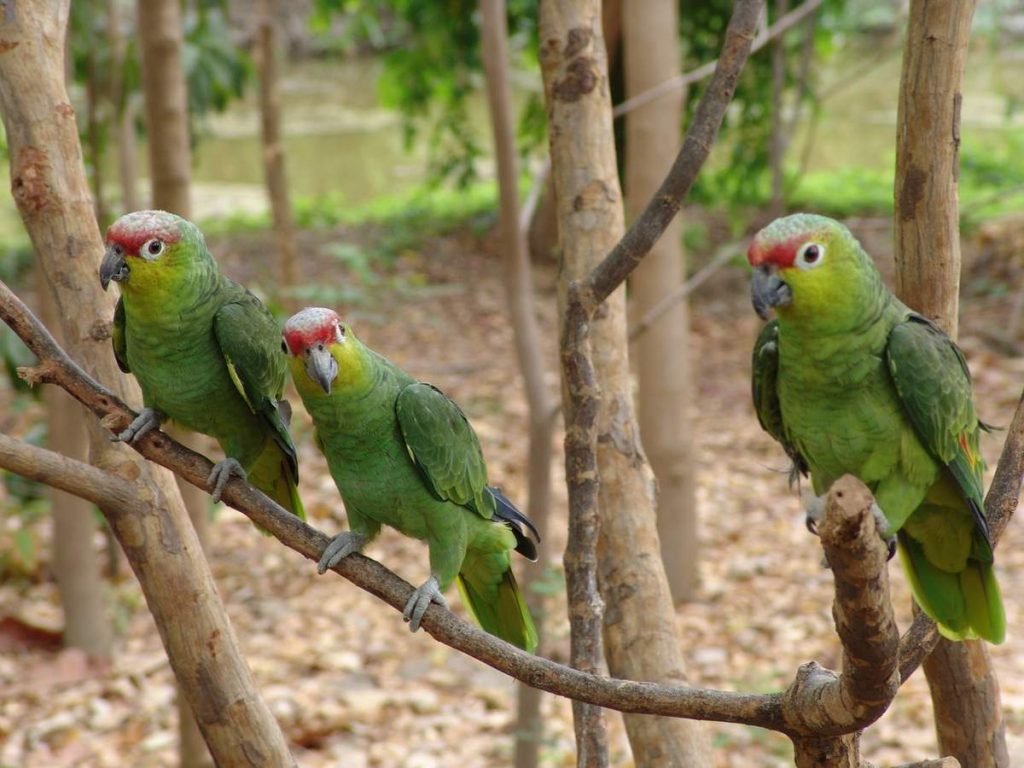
[(765, 710), (57, 368), (102, 488)]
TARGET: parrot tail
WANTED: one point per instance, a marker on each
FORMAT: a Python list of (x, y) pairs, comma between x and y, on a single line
[(274, 472), (489, 590), (964, 605)]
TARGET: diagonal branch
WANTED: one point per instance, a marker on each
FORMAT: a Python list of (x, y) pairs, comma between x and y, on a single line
[(813, 711)]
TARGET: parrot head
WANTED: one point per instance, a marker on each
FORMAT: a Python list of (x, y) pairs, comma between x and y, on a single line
[(322, 349), (148, 246), (806, 266)]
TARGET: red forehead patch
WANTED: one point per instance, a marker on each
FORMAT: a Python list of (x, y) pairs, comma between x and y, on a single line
[(313, 325), (133, 229), (779, 253)]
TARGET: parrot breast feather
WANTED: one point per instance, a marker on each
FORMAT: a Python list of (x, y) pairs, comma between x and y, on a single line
[(934, 385), (444, 447)]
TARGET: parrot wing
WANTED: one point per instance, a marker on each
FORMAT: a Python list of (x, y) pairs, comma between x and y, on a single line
[(934, 384), (764, 377), (444, 447), (248, 337), (117, 338)]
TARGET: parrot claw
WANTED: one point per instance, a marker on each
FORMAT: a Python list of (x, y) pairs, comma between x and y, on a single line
[(814, 510), (883, 530), (340, 547), (220, 474), (147, 420), (420, 600)]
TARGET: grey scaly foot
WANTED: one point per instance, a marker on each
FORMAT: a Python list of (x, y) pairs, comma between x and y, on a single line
[(341, 546), (814, 510), (420, 600), (147, 420), (883, 530), (220, 474)]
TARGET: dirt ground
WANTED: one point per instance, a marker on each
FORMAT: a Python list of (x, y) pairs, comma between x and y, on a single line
[(352, 687)]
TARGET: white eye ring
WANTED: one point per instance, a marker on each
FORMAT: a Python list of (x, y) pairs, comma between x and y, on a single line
[(151, 249), (810, 255)]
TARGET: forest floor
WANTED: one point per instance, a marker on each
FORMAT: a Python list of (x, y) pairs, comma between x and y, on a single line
[(352, 687)]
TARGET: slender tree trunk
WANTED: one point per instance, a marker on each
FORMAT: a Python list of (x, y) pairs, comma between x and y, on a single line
[(166, 103), (639, 621), (127, 147), (122, 109), (274, 166), (75, 561), (519, 293), (170, 171), (52, 194), (964, 688), (778, 146), (653, 138)]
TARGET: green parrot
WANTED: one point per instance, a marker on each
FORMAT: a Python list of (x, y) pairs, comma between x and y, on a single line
[(403, 454), (849, 380), (204, 350)]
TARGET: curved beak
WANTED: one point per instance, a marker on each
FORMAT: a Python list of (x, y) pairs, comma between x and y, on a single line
[(322, 367), (767, 290), (113, 267)]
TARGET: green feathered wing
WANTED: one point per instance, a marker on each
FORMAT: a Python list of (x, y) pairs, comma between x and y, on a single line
[(945, 543), (446, 451), (765, 368), (248, 337)]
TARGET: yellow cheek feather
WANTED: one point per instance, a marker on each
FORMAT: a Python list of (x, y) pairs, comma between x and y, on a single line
[(352, 369)]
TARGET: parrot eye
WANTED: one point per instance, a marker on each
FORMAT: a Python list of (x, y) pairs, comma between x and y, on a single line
[(152, 248), (810, 255)]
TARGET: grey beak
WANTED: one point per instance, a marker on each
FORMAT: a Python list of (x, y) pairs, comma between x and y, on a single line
[(767, 291), (322, 367), (113, 267)]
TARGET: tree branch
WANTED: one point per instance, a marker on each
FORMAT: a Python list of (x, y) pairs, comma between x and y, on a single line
[(818, 706), (102, 488)]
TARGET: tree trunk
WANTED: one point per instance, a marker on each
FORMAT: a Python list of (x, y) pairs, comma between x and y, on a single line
[(777, 151), (161, 43), (274, 165), (166, 103), (519, 293), (639, 623), (122, 109), (52, 194), (663, 363), (75, 561), (965, 692)]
